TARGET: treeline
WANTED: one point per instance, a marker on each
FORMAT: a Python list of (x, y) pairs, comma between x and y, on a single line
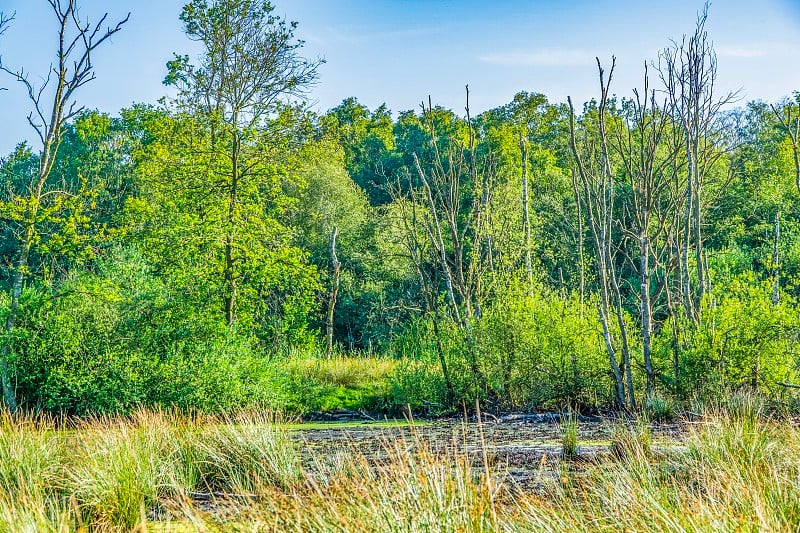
[(221, 248)]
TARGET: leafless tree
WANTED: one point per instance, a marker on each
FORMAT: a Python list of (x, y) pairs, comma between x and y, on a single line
[(54, 105), (417, 250), (448, 226), (647, 148), (688, 70), (595, 194)]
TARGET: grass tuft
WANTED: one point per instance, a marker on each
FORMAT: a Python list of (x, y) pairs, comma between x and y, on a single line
[(244, 454), (569, 435)]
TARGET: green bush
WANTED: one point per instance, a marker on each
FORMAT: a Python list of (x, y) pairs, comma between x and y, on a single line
[(742, 340), (539, 348)]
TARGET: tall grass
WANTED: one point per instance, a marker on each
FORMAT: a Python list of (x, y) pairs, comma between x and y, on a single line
[(244, 454), (123, 467), (410, 491), (734, 475), (735, 469), (569, 435)]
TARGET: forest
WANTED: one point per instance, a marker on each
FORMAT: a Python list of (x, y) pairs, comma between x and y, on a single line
[(228, 247), (546, 316)]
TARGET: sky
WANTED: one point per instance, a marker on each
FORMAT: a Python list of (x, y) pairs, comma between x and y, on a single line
[(400, 51)]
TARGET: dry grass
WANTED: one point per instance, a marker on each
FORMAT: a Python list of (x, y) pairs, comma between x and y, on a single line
[(737, 471)]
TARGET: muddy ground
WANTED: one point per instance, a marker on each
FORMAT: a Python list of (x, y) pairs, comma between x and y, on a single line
[(523, 450)]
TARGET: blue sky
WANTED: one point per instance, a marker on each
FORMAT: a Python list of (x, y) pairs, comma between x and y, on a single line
[(399, 51)]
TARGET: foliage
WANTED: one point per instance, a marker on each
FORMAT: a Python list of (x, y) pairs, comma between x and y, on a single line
[(179, 254)]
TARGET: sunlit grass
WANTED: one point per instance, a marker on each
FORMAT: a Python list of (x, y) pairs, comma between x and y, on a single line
[(737, 470)]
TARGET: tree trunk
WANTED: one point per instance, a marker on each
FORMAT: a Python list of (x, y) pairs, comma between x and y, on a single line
[(623, 336), (675, 342), (776, 271), (9, 395), (646, 306), (615, 368), (697, 225), (686, 283), (335, 271), (526, 220), (229, 273)]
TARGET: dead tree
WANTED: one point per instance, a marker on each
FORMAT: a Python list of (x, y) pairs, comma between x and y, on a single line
[(596, 195), (688, 70), (417, 251), (73, 68), (448, 207), (646, 150)]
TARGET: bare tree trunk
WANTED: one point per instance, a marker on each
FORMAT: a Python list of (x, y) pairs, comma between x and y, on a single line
[(623, 336), (776, 270), (697, 225), (597, 197), (609, 341), (688, 299), (335, 271), (646, 307), (676, 347), (526, 220), (229, 271), (581, 267)]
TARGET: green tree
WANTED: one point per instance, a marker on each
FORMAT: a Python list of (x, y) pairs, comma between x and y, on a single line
[(250, 64), (367, 138)]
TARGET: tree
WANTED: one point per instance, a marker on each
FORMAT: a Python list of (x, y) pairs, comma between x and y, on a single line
[(688, 70), (73, 68), (788, 116), (596, 195), (647, 149), (446, 212), (250, 64), (368, 142)]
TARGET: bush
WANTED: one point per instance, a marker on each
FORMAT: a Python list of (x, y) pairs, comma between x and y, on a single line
[(742, 340)]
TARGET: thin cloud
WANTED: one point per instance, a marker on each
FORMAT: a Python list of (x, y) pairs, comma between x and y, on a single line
[(767, 50), (740, 52), (540, 58)]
